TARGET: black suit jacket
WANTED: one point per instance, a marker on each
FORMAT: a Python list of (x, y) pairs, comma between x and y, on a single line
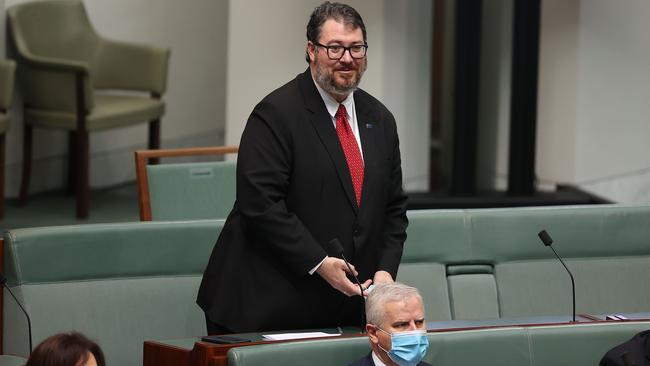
[(367, 361), (637, 351), (294, 195)]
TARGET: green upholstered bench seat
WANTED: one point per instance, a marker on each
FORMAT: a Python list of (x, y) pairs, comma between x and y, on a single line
[(120, 284), (488, 263), (576, 345)]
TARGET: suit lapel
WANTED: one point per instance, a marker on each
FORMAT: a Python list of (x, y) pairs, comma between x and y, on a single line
[(368, 129), (323, 124)]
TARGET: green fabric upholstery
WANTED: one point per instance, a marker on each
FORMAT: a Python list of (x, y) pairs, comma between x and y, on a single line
[(120, 284), (496, 265), (8, 360), (191, 190), (435, 294), (111, 111), (473, 296), (575, 345)]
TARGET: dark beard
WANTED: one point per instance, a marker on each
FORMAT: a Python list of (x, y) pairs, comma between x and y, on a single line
[(326, 82)]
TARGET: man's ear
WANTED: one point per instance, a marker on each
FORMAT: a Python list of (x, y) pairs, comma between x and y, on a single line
[(372, 333), (311, 51)]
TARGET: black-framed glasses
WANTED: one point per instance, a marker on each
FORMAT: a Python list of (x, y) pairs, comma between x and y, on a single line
[(336, 52)]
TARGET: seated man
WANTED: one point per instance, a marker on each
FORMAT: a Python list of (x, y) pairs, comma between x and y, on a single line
[(396, 327)]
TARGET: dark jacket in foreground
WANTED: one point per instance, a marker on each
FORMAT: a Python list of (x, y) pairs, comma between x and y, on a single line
[(636, 352)]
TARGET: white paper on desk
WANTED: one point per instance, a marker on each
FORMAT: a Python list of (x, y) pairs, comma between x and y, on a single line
[(288, 336)]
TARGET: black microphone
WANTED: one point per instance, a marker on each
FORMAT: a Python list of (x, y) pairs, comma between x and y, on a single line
[(546, 239), (3, 281), (337, 251)]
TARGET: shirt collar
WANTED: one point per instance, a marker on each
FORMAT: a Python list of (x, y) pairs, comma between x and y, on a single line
[(331, 104), (377, 360)]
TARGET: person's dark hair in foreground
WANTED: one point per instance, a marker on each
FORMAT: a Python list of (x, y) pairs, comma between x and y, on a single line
[(67, 349)]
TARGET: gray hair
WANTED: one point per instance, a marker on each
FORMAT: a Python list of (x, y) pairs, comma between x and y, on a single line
[(385, 293)]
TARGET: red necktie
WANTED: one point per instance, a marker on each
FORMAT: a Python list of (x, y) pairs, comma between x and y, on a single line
[(351, 151)]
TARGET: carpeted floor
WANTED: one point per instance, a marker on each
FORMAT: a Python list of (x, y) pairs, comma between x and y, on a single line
[(117, 204)]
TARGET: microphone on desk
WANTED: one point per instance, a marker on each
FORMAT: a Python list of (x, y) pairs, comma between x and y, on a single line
[(546, 239), (336, 250), (3, 282)]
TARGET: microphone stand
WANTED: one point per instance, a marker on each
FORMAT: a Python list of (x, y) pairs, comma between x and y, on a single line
[(3, 280), (548, 241)]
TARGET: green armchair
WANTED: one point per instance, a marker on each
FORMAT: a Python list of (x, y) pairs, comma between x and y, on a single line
[(7, 70), (68, 76)]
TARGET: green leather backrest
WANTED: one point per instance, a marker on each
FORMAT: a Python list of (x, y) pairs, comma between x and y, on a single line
[(574, 345), (120, 284), (187, 191), (606, 246)]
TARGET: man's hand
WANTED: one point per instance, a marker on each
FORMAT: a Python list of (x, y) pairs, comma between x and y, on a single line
[(382, 277), (333, 270)]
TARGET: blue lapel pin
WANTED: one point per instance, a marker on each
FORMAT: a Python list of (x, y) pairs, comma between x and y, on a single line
[(370, 125)]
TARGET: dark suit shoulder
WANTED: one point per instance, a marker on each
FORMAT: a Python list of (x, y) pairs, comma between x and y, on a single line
[(365, 361)]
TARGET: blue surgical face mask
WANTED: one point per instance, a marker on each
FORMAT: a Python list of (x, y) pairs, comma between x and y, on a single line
[(407, 348)]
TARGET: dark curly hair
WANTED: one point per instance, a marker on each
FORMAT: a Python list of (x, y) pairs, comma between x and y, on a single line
[(340, 12)]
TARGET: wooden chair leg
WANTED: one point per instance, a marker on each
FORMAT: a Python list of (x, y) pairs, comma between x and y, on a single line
[(27, 164), (82, 177), (2, 175), (154, 138), (72, 160)]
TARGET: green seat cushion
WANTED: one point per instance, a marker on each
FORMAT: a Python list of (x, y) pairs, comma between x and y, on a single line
[(110, 111)]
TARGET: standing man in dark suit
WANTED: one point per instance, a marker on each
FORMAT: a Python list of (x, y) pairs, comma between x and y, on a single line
[(396, 327), (318, 160)]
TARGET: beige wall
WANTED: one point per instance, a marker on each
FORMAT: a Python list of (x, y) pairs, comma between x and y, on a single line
[(266, 46), (556, 111)]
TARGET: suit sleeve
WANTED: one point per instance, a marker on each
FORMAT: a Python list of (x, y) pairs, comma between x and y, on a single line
[(395, 221), (263, 177)]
